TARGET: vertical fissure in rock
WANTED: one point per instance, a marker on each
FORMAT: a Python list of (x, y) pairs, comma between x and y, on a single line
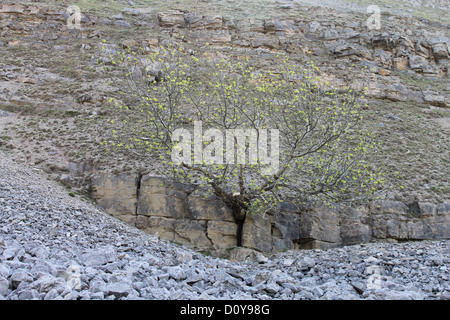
[(239, 231), (138, 192)]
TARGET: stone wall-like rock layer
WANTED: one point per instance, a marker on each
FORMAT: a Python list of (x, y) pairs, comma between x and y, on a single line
[(173, 212)]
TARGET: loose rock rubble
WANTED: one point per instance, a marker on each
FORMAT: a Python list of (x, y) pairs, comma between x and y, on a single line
[(54, 246)]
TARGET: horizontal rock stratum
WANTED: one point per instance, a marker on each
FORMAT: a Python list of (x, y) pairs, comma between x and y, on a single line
[(171, 210)]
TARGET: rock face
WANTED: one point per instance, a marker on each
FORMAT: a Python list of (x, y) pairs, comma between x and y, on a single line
[(174, 212), (117, 194), (389, 49), (383, 54), (54, 247)]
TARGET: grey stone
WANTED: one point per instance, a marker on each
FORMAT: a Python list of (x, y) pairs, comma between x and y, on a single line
[(53, 294), (29, 295), (261, 277), (418, 63), (307, 262), (131, 11), (184, 256), (176, 273), (246, 254), (20, 276), (97, 296), (272, 287), (97, 285), (11, 252), (359, 286), (119, 289), (65, 179), (99, 257), (4, 271), (4, 286), (445, 295), (122, 24), (46, 282), (43, 266), (440, 51)]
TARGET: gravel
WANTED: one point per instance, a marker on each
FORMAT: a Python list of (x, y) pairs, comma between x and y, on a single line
[(54, 246)]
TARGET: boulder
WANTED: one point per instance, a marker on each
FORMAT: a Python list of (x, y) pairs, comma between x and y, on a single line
[(99, 256), (4, 286), (19, 276), (119, 289)]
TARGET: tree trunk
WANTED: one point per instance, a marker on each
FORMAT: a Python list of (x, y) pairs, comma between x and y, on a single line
[(239, 209), (239, 218)]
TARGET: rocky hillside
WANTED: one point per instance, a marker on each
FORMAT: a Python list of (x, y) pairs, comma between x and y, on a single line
[(54, 246), (55, 97), (54, 111)]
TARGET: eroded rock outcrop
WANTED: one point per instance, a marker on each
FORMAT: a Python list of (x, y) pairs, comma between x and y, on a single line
[(391, 49), (155, 205), (176, 213)]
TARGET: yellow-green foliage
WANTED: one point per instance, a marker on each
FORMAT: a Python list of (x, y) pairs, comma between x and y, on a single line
[(324, 146)]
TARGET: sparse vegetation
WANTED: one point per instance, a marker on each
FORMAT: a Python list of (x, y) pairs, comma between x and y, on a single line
[(416, 146), (324, 149), (357, 111), (22, 109)]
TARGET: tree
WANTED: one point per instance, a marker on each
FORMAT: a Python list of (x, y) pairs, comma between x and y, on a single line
[(267, 136)]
